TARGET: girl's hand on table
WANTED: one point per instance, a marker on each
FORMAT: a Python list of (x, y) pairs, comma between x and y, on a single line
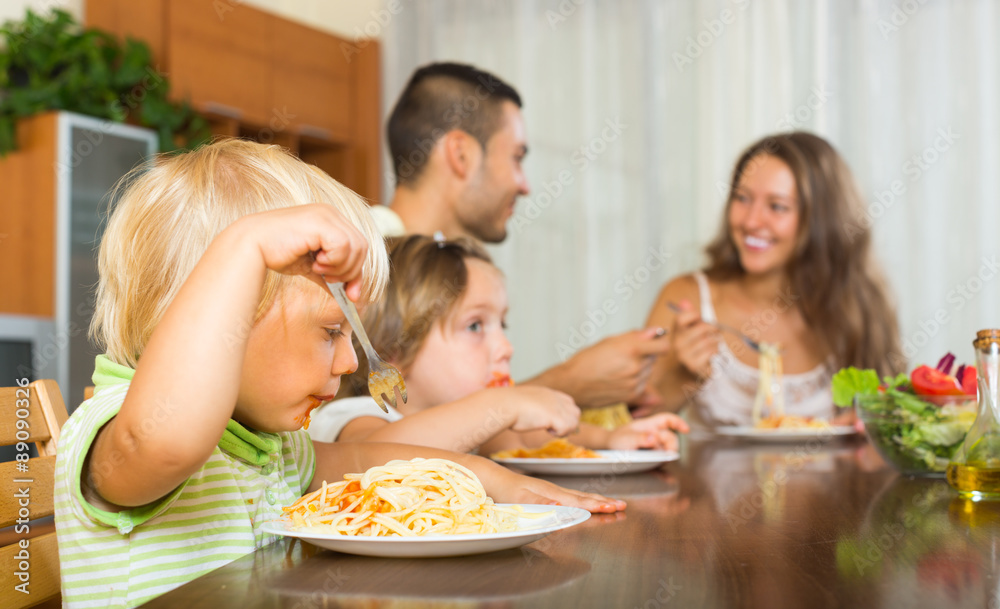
[(693, 341), (535, 490), (652, 432), (504, 486)]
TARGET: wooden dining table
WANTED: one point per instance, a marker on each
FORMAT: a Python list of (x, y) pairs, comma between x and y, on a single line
[(814, 523)]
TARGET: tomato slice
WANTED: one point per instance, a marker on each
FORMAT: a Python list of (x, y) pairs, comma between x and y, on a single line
[(931, 381), (969, 381)]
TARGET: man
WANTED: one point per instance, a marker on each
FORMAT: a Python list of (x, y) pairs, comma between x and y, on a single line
[(457, 141)]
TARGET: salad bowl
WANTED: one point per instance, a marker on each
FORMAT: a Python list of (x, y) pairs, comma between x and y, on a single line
[(916, 434), (915, 421)]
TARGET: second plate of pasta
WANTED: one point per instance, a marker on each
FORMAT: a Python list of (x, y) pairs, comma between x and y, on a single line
[(536, 522), (606, 462)]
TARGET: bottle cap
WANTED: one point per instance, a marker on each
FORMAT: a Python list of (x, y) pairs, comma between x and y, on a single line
[(985, 338)]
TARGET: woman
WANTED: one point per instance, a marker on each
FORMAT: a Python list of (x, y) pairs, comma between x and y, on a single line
[(790, 266)]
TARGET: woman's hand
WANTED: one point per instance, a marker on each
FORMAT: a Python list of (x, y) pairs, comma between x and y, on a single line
[(694, 341), (650, 432)]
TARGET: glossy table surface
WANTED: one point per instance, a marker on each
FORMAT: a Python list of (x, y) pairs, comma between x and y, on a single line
[(808, 524)]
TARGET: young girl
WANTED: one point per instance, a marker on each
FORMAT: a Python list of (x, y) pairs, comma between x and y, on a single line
[(792, 266), (442, 324), (220, 334)]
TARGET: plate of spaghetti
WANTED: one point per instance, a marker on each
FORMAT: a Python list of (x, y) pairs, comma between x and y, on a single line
[(778, 426), (786, 428), (416, 508), (561, 457)]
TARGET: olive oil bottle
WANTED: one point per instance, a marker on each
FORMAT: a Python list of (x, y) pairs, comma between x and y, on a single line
[(974, 470)]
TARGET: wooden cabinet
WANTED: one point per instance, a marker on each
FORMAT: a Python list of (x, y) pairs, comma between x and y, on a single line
[(28, 205), (259, 76), (220, 63), (55, 197), (312, 80)]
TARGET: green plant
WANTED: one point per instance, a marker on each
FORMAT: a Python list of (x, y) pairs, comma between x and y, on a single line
[(53, 63)]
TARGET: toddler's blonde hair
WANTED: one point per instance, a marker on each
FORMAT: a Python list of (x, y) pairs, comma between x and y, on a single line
[(169, 212)]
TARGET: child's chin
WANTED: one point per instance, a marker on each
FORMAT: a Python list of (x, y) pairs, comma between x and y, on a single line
[(274, 426)]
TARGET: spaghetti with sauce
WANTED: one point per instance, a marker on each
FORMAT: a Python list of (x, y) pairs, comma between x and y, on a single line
[(500, 380), (555, 449), (769, 393), (404, 498), (771, 397)]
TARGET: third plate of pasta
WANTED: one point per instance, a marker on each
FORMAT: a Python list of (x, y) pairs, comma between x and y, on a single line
[(789, 434)]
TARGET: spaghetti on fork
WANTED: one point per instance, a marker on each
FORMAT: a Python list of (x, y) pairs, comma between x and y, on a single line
[(769, 393), (771, 396)]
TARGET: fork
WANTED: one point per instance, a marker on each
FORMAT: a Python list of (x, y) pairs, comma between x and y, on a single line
[(743, 337), (383, 379)]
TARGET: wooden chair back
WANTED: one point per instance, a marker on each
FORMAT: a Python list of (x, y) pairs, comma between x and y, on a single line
[(32, 414)]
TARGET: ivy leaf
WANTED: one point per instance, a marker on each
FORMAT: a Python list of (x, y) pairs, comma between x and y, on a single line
[(50, 62)]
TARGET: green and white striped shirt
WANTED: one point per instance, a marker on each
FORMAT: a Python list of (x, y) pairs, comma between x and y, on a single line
[(126, 558)]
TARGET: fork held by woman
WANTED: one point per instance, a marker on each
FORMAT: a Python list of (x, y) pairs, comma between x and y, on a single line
[(743, 337)]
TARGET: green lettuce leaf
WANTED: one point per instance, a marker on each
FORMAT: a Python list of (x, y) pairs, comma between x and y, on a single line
[(944, 433), (900, 380), (851, 381), (911, 403)]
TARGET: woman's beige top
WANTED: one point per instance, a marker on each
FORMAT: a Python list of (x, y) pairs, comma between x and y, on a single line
[(727, 396)]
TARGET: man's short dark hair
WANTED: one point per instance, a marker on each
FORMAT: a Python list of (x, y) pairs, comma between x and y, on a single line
[(441, 97)]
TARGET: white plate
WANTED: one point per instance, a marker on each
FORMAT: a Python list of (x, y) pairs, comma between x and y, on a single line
[(529, 529), (785, 435), (610, 462)]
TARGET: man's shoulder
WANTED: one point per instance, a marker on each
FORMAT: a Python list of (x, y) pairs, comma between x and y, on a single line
[(388, 222)]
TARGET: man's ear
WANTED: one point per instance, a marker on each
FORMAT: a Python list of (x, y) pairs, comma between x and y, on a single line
[(460, 152)]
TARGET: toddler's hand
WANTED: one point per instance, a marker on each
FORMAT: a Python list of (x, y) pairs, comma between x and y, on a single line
[(515, 488), (649, 432), (543, 408), (311, 240)]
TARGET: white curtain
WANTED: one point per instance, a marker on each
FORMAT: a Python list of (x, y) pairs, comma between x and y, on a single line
[(640, 108)]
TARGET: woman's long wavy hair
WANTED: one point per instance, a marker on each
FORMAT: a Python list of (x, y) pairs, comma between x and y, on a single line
[(833, 277)]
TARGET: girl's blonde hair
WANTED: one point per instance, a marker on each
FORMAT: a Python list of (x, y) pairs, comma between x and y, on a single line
[(169, 211), (834, 277), (426, 279)]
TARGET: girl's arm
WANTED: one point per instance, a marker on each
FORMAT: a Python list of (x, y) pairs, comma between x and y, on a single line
[(186, 385), (590, 436), (504, 486), (654, 432), (465, 424)]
